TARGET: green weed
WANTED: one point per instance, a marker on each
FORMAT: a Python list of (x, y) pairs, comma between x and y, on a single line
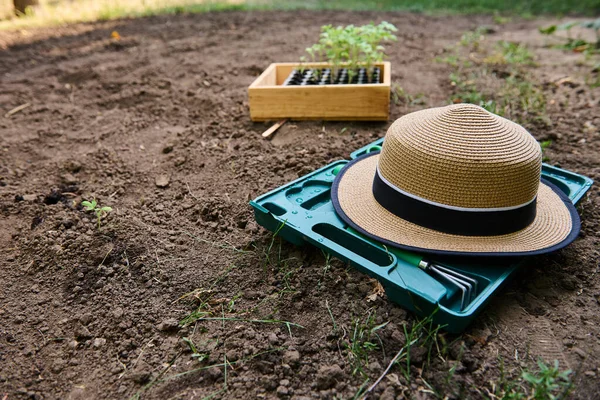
[(503, 70), (548, 382), (160, 378), (326, 267), (362, 341), (400, 96), (500, 19), (195, 354), (472, 39), (331, 316), (424, 333), (576, 44), (467, 92), (510, 53), (95, 207), (520, 96), (544, 145)]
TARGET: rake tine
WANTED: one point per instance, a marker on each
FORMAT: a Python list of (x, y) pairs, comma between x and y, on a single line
[(466, 284), (459, 284), (464, 278)]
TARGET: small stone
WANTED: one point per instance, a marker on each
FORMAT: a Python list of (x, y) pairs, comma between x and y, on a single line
[(590, 373), (328, 376), (117, 312), (579, 352), (251, 294), (168, 325), (374, 366), (141, 378), (388, 394), (58, 366), (167, 149), (99, 342), (30, 197), (291, 357), (86, 318), (73, 166), (180, 161), (417, 354), (68, 179), (233, 355), (83, 333), (282, 391), (284, 382), (214, 373), (273, 339), (162, 181)]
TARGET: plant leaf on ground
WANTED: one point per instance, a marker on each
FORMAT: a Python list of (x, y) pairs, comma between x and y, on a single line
[(547, 382), (576, 44), (96, 208), (504, 69), (590, 50)]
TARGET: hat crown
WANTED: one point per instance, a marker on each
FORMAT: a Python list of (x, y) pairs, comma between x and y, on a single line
[(462, 156)]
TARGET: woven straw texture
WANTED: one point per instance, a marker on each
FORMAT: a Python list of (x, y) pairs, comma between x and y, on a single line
[(463, 156), (551, 226)]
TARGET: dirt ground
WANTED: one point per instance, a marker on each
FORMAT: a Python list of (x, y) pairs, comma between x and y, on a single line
[(93, 313)]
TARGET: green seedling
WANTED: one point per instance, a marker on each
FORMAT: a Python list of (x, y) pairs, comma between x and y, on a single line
[(576, 44), (95, 207), (496, 77), (472, 39), (544, 145), (510, 53), (351, 46), (195, 354), (400, 96), (546, 383)]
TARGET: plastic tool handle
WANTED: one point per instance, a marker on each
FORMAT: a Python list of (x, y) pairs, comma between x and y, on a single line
[(411, 258)]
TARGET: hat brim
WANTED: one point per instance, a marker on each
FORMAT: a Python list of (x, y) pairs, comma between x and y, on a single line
[(556, 224)]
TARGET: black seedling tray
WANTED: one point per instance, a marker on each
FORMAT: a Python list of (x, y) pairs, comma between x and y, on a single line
[(325, 76)]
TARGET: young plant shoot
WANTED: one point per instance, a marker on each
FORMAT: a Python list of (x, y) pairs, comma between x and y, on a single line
[(95, 207), (352, 51)]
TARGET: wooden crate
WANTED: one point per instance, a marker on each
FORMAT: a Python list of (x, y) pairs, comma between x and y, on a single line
[(269, 100)]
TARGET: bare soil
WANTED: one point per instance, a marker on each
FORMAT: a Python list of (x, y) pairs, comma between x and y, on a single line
[(93, 313)]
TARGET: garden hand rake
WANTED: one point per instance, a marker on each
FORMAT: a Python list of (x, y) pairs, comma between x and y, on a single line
[(465, 284)]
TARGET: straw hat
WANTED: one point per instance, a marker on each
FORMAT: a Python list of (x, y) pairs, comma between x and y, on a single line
[(456, 180)]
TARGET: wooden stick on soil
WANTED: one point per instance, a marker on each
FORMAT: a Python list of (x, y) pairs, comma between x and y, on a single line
[(266, 134), (16, 110)]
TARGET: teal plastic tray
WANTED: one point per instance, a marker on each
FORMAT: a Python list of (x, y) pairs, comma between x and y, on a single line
[(302, 212)]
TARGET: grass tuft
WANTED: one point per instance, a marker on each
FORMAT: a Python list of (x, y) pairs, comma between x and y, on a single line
[(503, 69)]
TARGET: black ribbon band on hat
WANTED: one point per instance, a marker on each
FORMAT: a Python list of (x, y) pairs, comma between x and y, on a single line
[(457, 222)]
